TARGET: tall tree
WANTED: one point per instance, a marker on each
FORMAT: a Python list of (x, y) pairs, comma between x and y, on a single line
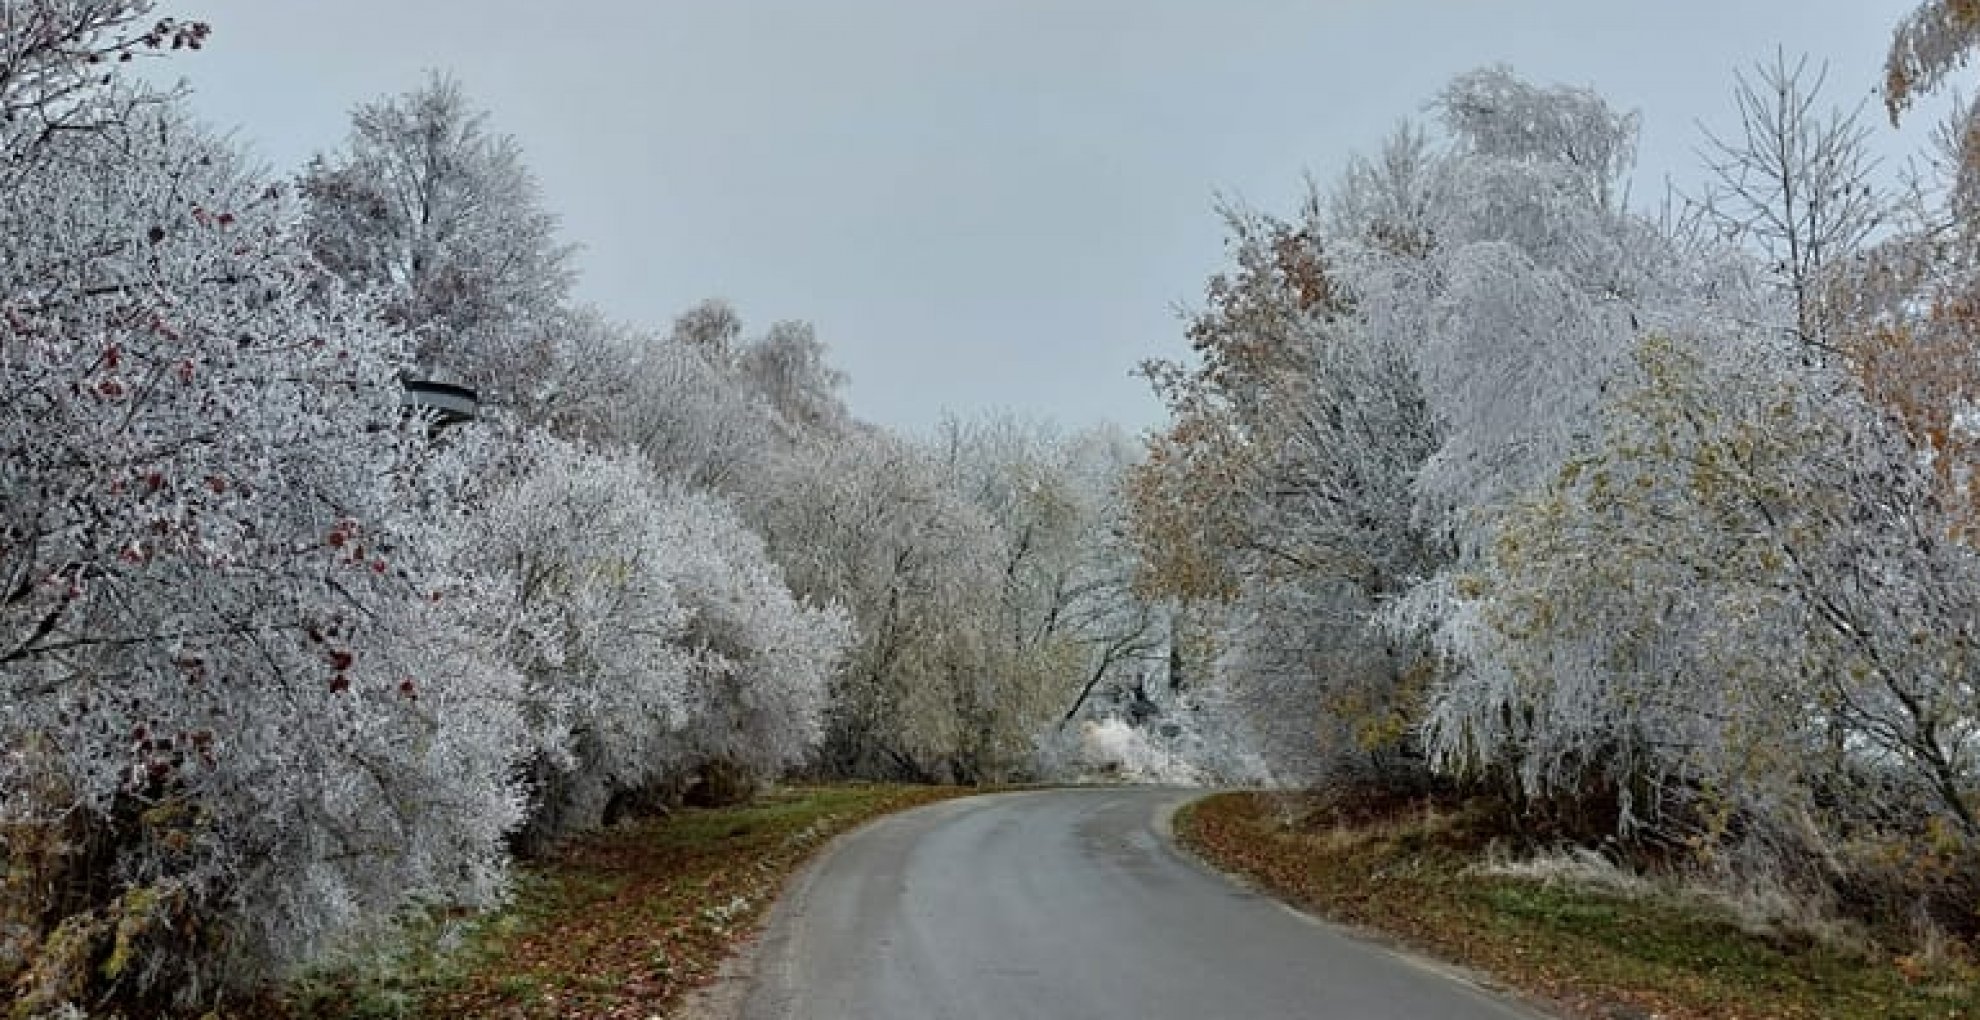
[(1914, 305), (1795, 184), (427, 205), (788, 366)]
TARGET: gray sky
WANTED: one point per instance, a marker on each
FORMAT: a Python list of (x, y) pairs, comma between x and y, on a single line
[(981, 204)]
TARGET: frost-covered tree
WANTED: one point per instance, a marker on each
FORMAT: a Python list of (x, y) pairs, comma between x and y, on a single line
[(713, 327), (692, 419), (425, 204), (1297, 443), (1514, 310), (1339, 535), (757, 422), (1909, 325), (682, 406), (1196, 503), (1739, 612), (788, 367), (1377, 380), (703, 406), (1533, 286), (1068, 620), (1930, 43), (870, 523)]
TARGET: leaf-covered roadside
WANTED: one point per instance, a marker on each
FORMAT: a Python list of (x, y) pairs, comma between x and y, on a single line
[(622, 923), (1405, 870)]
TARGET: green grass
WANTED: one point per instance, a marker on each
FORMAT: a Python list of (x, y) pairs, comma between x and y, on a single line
[(1406, 874)]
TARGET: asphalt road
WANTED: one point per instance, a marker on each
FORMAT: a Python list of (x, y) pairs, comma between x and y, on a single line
[(1066, 905)]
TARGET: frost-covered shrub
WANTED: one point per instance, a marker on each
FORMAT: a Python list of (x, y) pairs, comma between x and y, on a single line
[(591, 621), (1192, 741), (654, 633), (762, 661), (1114, 747)]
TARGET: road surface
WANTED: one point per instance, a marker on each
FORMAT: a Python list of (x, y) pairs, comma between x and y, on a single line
[(1066, 905)]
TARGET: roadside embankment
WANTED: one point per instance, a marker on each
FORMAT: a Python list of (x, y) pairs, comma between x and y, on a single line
[(621, 923), (1590, 941)]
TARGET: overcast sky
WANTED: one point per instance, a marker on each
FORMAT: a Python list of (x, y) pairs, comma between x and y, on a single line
[(981, 204)]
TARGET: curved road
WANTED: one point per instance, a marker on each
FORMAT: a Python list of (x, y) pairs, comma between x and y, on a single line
[(1066, 905)]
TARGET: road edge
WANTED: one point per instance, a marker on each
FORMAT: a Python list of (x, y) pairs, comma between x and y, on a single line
[(727, 995), (1477, 981)]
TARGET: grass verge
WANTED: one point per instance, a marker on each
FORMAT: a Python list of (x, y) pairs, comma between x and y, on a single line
[(1407, 873), (621, 923)]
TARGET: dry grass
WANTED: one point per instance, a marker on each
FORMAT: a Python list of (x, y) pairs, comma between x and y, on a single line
[(619, 924), (1571, 867), (1570, 929)]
